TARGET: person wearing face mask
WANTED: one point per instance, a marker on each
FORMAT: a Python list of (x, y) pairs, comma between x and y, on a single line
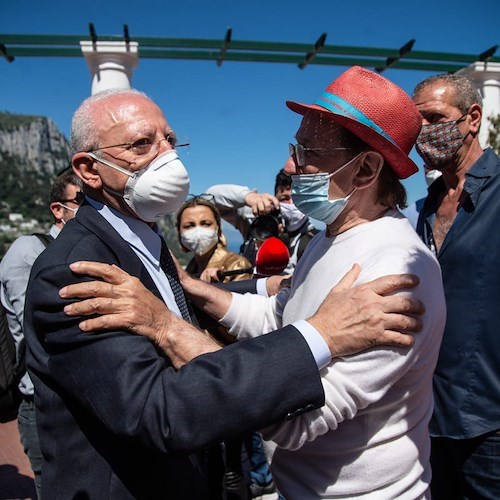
[(199, 230), (121, 416), (351, 152), (240, 206), (459, 222), (15, 267), (299, 229)]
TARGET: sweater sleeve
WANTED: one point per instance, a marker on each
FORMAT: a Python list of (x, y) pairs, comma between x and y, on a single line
[(250, 315), (381, 377)]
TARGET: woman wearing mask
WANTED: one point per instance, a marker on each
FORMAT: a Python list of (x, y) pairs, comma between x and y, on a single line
[(199, 231)]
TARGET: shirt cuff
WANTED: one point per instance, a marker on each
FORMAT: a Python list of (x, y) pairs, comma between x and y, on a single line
[(261, 287), (316, 343)]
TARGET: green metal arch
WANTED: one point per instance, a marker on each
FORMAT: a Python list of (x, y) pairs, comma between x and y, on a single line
[(301, 54)]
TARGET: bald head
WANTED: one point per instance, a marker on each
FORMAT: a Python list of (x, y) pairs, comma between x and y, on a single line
[(86, 122)]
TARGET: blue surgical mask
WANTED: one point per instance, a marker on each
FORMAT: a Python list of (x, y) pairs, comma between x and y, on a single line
[(310, 195)]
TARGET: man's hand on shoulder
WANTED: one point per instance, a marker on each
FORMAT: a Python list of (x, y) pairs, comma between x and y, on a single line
[(123, 302), (354, 319)]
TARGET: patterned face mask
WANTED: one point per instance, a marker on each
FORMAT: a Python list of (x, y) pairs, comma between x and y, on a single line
[(438, 143)]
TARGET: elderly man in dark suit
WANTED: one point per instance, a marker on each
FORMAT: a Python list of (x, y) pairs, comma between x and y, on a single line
[(118, 418)]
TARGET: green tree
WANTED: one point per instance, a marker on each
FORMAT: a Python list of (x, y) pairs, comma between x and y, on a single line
[(494, 134)]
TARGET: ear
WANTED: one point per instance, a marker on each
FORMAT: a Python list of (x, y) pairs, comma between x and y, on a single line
[(85, 167), (57, 211), (222, 239), (474, 118), (368, 169)]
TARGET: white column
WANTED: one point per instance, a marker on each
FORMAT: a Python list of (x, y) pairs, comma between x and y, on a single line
[(486, 77), (111, 63)]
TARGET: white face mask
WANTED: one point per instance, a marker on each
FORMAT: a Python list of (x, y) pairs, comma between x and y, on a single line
[(199, 239), (292, 216), (431, 176), (74, 210), (156, 190)]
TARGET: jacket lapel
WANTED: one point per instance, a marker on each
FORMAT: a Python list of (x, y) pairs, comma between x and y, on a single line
[(88, 217)]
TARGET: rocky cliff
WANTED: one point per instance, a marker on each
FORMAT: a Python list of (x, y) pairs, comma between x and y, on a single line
[(32, 152), (35, 142)]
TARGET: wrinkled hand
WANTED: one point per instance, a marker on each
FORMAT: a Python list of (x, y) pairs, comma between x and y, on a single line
[(354, 319), (262, 203), (122, 302)]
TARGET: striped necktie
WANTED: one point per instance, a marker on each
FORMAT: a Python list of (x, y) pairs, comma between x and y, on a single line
[(168, 266)]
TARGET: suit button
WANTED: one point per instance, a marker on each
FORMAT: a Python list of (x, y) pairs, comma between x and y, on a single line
[(299, 412), (309, 407), (289, 416)]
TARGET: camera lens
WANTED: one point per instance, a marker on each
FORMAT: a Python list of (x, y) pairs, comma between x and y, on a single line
[(265, 226)]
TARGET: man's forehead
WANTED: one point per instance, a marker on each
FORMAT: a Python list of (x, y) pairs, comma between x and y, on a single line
[(436, 93), (316, 124), (135, 112)]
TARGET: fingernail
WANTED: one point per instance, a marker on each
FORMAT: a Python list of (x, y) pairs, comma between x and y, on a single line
[(82, 325), (67, 309), (74, 265)]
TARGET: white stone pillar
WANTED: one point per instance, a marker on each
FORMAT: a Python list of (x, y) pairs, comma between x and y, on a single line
[(486, 77), (111, 63)]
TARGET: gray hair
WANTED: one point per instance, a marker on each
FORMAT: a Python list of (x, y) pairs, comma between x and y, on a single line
[(84, 135), (466, 93)]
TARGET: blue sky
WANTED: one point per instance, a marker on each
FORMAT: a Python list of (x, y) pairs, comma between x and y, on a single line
[(233, 115)]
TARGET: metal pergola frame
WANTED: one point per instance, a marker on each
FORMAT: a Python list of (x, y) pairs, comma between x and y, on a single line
[(227, 49)]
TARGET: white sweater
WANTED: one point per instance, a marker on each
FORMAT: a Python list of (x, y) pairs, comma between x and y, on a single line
[(370, 440)]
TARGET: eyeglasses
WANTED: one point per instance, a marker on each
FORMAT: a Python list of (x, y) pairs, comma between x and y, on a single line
[(299, 152), (78, 199), (203, 196), (144, 146)]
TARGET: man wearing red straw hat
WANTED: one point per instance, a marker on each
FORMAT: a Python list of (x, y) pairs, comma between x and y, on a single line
[(370, 439)]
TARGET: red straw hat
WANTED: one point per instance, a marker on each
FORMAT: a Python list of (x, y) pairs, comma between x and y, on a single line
[(374, 109)]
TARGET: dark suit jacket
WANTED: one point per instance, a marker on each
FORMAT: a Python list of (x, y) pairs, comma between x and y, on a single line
[(115, 419)]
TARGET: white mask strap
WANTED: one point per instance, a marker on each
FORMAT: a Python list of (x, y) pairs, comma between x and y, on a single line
[(68, 208), (343, 166), (112, 165)]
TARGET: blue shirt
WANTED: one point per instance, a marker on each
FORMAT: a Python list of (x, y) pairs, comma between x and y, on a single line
[(467, 376)]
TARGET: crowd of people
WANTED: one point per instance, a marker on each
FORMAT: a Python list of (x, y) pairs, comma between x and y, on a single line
[(369, 364)]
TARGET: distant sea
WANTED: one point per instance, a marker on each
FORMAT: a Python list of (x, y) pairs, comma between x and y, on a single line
[(233, 237)]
